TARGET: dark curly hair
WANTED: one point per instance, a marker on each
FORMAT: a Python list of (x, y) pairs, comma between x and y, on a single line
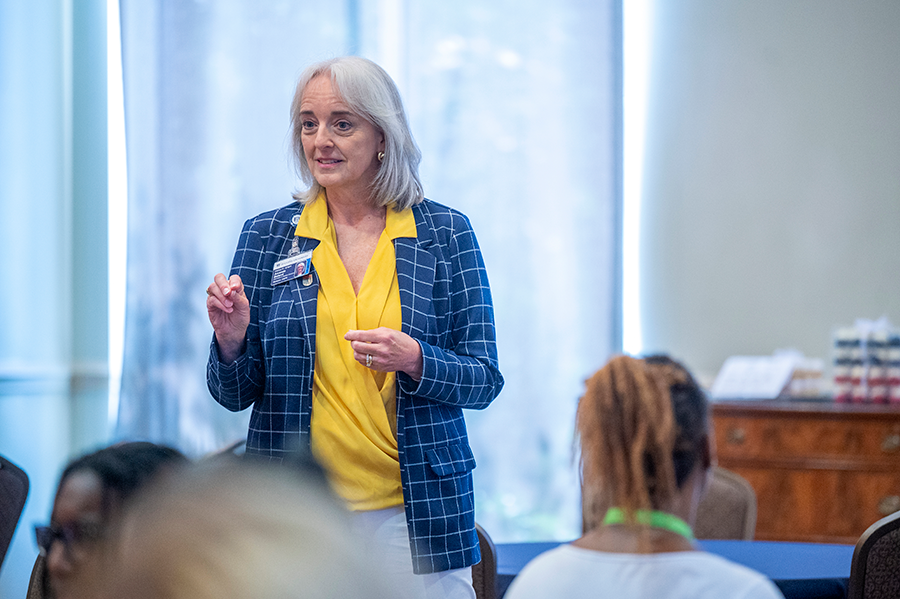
[(123, 468)]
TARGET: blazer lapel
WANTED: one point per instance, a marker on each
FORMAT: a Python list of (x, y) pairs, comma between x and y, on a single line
[(305, 291), (415, 277)]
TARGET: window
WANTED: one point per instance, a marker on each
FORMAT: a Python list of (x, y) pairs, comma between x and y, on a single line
[(515, 106)]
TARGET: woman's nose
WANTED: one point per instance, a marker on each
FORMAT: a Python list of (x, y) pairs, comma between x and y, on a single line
[(58, 563), (323, 138)]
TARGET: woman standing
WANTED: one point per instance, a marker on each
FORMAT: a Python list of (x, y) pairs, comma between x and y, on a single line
[(358, 321)]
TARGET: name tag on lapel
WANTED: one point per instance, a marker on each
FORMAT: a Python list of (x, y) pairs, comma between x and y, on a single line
[(292, 267)]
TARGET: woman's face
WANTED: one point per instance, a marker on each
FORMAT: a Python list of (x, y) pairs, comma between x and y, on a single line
[(340, 146), (73, 559)]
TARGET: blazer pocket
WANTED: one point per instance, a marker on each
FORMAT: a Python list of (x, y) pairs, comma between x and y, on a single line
[(450, 459)]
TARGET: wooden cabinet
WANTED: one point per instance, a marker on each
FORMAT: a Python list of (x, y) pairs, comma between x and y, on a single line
[(822, 472)]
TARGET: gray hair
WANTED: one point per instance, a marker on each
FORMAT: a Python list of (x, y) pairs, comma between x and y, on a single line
[(370, 92), (234, 528)]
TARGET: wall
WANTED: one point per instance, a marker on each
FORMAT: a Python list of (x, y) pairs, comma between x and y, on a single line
[(53, 332), (771, 201)]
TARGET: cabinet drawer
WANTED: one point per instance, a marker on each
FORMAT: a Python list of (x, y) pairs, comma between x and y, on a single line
[(820, 506), (826, 438)]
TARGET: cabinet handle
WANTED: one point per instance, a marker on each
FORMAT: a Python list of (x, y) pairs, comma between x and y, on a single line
[(889, 504), (736, 436), (891, 443)]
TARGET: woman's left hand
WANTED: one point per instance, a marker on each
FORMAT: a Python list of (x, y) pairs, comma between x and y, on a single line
[(387, 350)]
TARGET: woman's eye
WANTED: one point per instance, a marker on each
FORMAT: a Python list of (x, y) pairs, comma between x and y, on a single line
[(307, 125), (343, 125)]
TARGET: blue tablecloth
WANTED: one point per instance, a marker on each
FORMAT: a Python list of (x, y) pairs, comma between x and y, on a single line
[(800, 570)]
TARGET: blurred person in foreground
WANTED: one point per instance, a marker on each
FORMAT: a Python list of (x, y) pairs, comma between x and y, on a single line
[(93, 490), (357, 321), (231, 528), (646, 455)]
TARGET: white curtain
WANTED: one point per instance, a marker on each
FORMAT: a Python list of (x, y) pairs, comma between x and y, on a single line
[(514, 105)]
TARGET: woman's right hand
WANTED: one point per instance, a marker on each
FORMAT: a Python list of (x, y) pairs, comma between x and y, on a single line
[(229, 314)]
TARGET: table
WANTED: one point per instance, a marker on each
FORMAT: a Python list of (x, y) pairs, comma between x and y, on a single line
[(800, 570)]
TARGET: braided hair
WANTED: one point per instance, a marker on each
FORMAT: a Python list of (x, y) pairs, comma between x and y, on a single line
[(642, 425)]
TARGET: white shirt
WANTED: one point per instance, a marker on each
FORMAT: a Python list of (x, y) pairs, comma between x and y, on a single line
[(573, 572)]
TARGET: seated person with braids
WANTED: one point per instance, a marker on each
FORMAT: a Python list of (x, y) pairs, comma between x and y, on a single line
[(91, 494), (646, 454)]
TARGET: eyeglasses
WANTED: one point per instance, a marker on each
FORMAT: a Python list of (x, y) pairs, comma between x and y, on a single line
[(72, 536)]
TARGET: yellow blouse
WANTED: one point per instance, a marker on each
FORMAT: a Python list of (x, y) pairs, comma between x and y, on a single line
[(354, 415)]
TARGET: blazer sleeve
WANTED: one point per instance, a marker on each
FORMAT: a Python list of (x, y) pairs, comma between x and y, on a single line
[(238, 385), (463, 370)]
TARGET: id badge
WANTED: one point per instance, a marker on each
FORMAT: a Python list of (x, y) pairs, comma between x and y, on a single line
[(292, 267)]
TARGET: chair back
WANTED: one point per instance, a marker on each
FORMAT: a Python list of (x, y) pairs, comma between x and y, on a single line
[(875, 567), (484, 573), (728, 510), (13, 492), (235, 448), (37, 584)]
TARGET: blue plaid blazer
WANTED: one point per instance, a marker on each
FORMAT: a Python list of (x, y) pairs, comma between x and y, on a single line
[(445, 305)]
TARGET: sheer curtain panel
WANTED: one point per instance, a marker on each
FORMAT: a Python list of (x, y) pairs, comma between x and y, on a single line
[(515, 106)]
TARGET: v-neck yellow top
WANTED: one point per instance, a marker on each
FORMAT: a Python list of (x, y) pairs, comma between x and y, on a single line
[(354, 414)]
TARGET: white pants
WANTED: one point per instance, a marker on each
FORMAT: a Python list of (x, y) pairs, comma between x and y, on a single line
[(387, 534)]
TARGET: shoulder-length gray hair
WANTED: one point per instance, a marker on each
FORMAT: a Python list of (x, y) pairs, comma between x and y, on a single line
[(370, 92)]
